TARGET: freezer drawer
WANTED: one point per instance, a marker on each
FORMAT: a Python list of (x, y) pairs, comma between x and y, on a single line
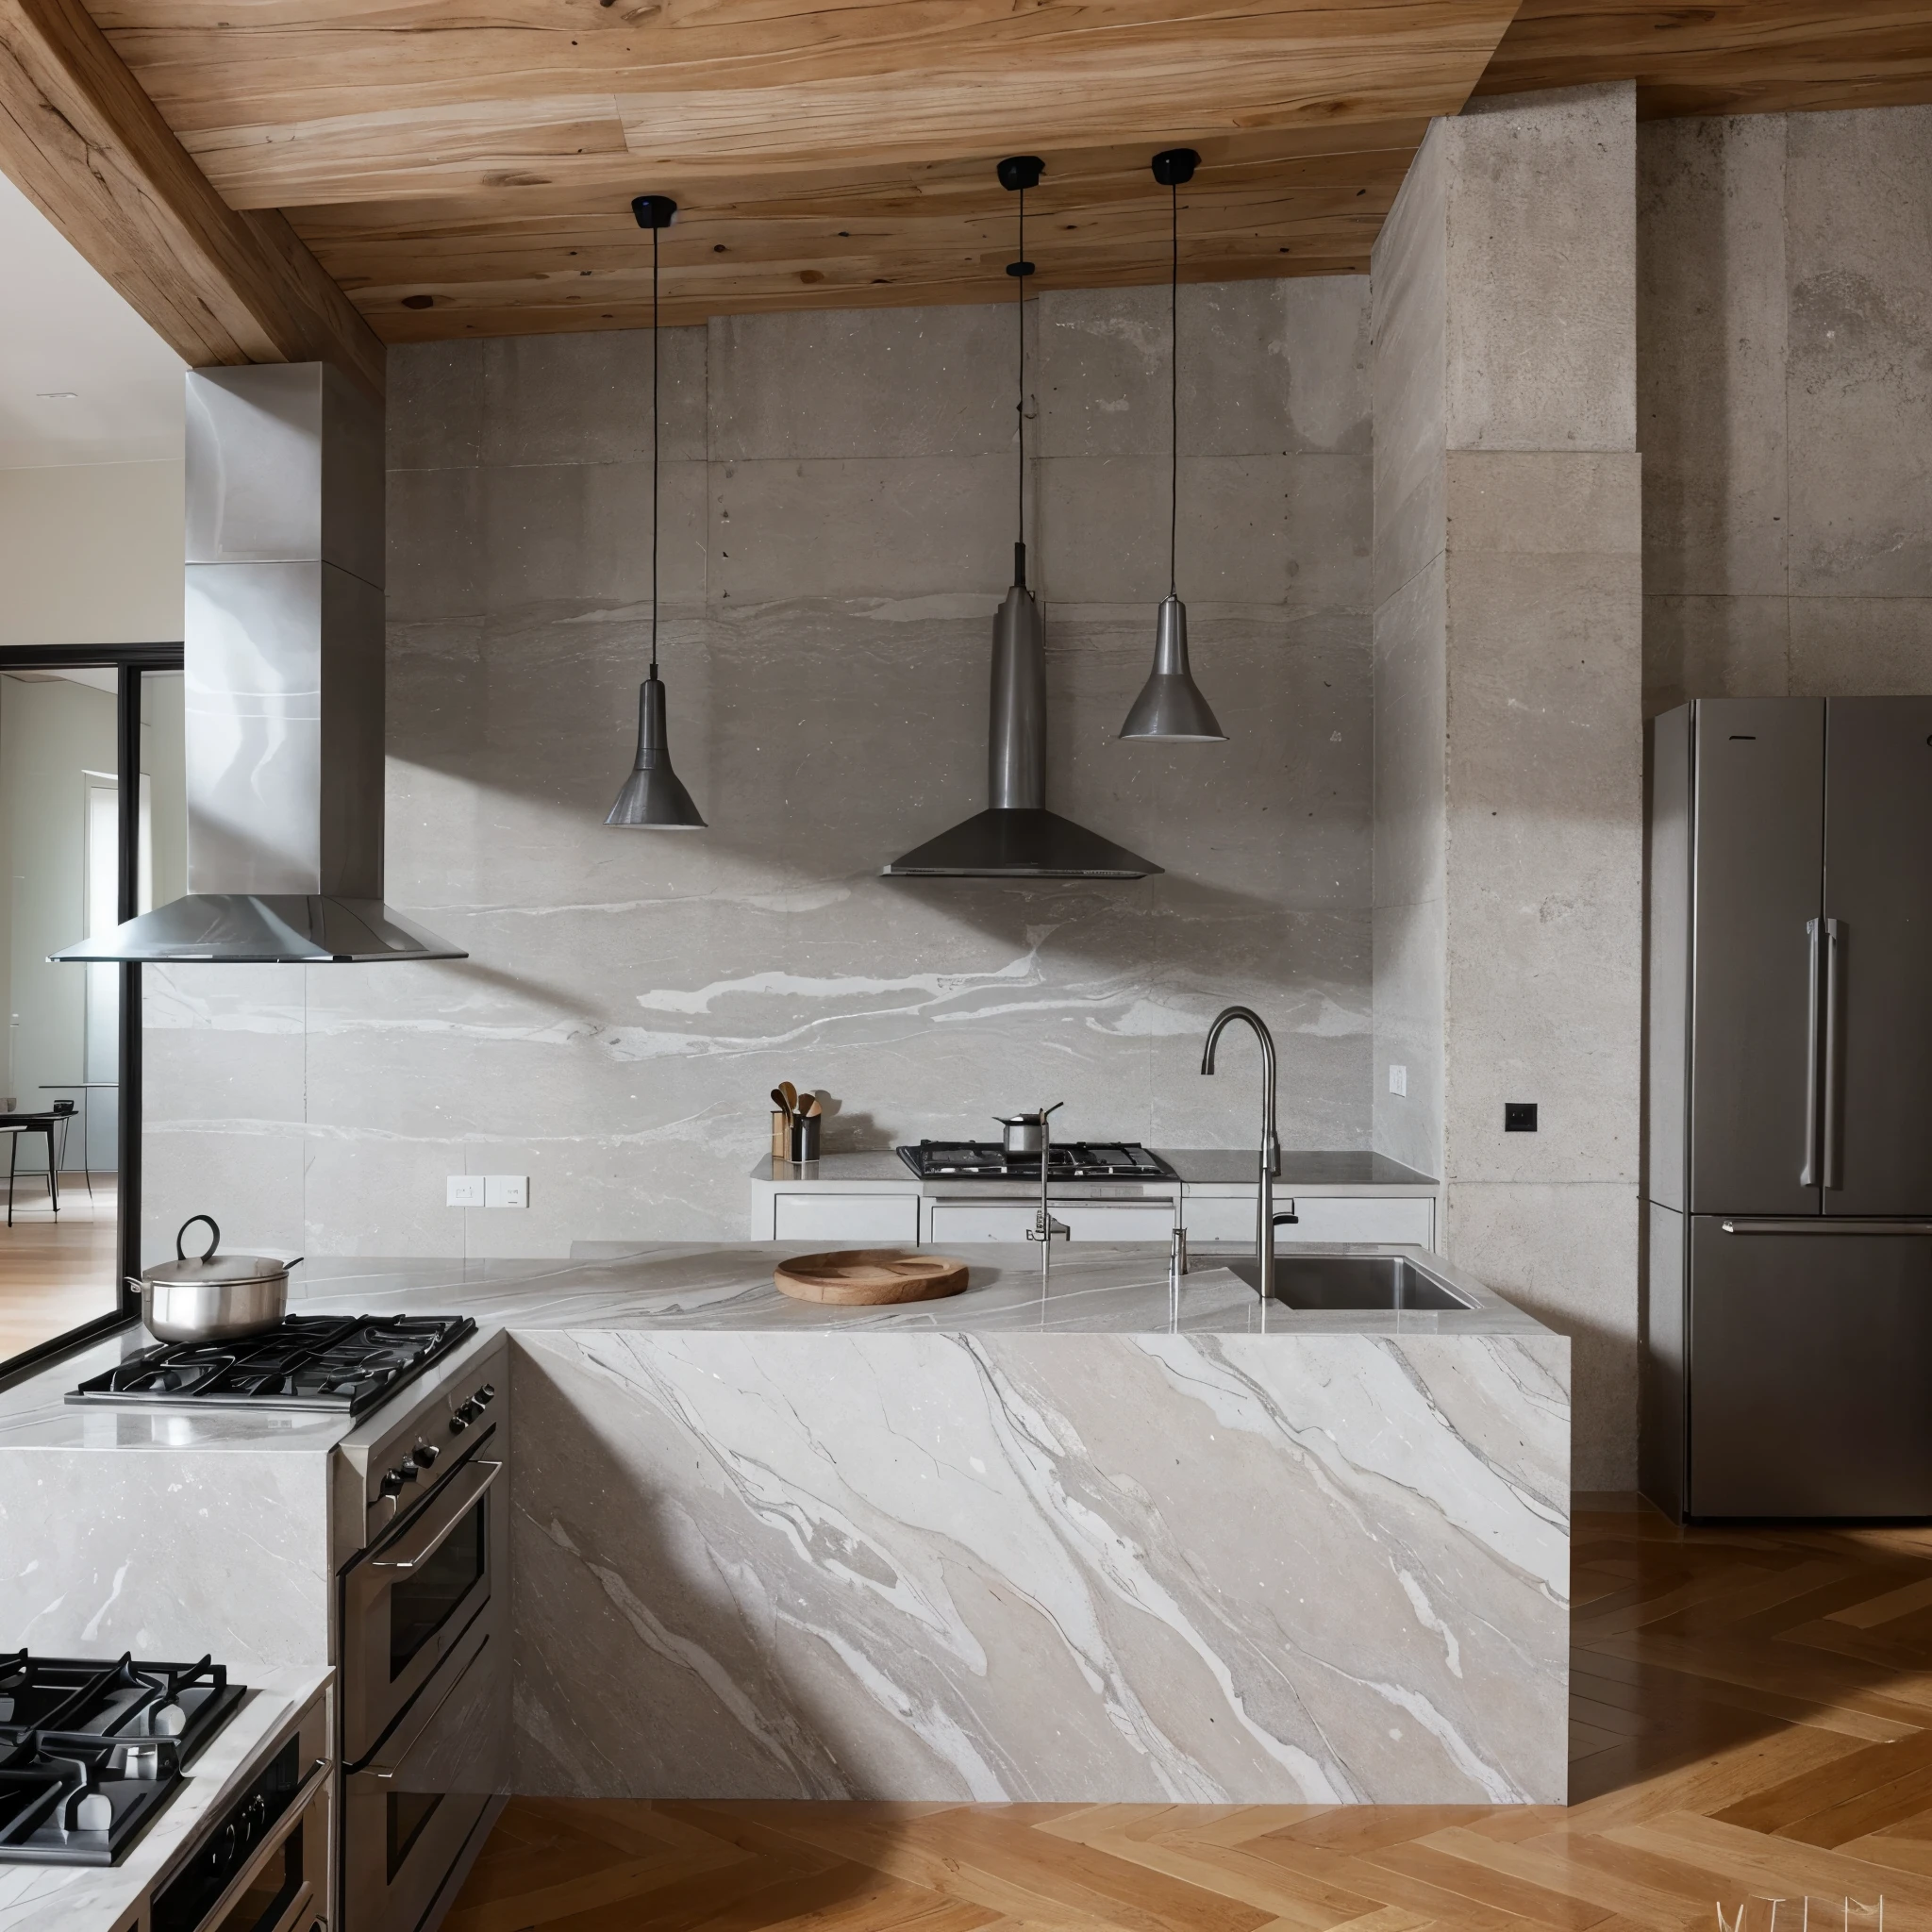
[(1810, 1360)]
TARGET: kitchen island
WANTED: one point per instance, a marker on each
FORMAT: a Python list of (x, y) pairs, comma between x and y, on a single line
[(1097, 1542), (1091, 1544)]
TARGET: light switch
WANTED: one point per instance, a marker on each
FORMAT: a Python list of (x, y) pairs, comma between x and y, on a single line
[(463, 1191), (506, 1191), (1398, 1078)]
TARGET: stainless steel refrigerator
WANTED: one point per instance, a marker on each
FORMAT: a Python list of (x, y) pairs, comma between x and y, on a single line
[(1788, 1350)]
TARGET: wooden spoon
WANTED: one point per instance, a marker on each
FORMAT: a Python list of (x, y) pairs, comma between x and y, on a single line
[(779, 1101), (813, 1107), (790, 1093)]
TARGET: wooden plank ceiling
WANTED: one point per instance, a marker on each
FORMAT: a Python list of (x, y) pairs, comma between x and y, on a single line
[(465, 167), (468, 169)]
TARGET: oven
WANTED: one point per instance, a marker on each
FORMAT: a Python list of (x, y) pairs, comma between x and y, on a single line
[(262, 1863), (425, 1642), (414, 1814)]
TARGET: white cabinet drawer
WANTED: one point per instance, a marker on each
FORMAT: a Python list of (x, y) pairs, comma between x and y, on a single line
[(1322, 1218), (1085, 1220), (854, 1221)]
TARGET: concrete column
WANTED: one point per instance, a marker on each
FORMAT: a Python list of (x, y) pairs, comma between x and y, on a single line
[(1508, 814)]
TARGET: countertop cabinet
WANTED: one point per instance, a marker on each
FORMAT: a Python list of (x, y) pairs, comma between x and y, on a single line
[(871, 1201)]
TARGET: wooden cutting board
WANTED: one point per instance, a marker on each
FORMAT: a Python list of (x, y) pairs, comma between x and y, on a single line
[(869, 1277)]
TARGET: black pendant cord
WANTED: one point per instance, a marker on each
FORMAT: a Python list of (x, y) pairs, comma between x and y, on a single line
[(1020, 311), (654, 452), (1174, 393)]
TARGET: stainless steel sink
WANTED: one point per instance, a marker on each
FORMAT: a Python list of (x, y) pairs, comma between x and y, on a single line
[(1350, 1282)]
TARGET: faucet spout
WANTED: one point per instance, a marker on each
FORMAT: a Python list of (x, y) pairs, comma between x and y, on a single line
[(1269, 1157)]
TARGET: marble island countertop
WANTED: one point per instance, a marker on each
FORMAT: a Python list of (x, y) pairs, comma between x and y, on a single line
[(1092, 1288)]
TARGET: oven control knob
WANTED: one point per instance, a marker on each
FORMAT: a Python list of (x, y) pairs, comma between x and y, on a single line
[(486, 1394), (407, 1469), (458, 1422), (424, 1453), (392, 1483)]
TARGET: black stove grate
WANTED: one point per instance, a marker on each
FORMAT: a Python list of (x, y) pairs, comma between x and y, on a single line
[(1072, 1160), (335, 1364), (90, 1752)]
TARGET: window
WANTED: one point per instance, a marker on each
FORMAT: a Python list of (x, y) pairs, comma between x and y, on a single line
[(92, 830)]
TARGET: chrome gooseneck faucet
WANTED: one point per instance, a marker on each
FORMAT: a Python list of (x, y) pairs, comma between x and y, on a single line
[(1046, 1229), (1271, 1142)]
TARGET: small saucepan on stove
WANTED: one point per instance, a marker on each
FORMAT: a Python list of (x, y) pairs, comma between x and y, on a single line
[(212, 1297), (1025, 1133)]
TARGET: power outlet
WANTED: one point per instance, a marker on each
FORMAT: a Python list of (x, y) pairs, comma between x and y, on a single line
[(463, 1191), (506, 1191), (1519, 1116), (1398, 1079)]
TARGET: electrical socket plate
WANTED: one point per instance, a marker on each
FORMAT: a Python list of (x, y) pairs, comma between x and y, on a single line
[(1398, 1078), (506, 1191), (463, 1191)]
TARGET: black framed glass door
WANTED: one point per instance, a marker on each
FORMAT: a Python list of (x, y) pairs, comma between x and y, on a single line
[(93, 830)]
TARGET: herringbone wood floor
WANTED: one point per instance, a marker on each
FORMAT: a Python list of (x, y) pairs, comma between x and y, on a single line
[(1750, 1715)]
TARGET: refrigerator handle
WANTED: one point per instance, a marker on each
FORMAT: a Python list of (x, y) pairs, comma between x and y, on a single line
[(1807, 1174), (1833, 1057)]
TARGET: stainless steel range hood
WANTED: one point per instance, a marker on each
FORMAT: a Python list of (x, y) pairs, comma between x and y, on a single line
[(1016, 836), (284, 657)]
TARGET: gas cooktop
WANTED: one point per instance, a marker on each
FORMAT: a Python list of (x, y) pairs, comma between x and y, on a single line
[(339, 1364), (1073, 1160), (90, 1752)]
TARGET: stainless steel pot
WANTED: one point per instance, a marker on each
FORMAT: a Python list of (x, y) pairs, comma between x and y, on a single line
[(212, 1297), (1025, 1133)]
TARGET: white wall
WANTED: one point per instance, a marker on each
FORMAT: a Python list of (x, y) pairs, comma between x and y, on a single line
[(91, 555)]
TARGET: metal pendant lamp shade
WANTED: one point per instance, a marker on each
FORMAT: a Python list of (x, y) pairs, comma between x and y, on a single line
[(653, 798), (1171, 705)]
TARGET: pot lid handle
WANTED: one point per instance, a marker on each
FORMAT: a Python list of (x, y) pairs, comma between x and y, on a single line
[(214, 1232)]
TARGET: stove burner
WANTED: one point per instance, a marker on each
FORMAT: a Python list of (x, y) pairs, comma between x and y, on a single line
[(1073, 1160), (91, 1752), (344, 1364)]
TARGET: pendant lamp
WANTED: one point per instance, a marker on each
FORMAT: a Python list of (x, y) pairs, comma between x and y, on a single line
[(653, 798), (1170, 704)]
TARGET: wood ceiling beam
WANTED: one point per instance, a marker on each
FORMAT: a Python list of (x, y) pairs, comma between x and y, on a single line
[(1734, 57), (86, 144)]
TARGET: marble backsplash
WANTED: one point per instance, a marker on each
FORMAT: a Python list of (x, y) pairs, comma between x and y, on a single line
[(837, 495)]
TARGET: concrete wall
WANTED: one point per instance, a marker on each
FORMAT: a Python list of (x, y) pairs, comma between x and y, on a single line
[(839, 513), (1507, 652), (1785, 276), (91, 553)]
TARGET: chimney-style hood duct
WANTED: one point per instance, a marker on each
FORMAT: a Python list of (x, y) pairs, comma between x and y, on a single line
[(284, 657), (1016, 836)]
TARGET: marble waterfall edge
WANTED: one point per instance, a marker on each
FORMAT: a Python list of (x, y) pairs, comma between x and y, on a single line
[(1131, 1567)]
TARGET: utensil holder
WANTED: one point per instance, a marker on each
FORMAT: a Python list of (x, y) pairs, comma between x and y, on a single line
[(805, 1136), (781, 1133)]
